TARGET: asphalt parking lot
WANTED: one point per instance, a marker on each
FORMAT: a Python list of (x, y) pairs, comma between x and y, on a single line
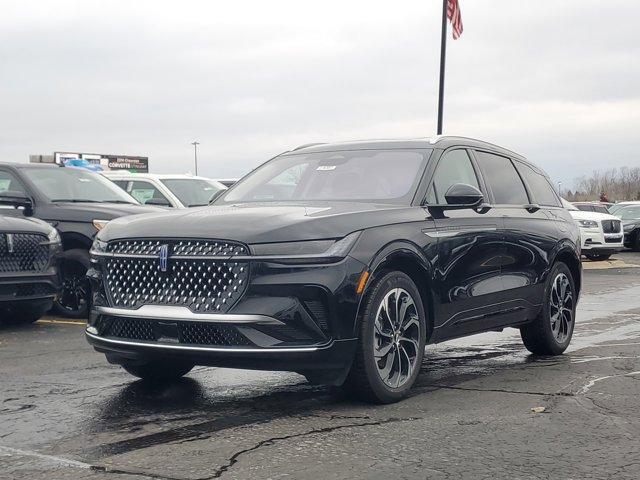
[(483, 408)]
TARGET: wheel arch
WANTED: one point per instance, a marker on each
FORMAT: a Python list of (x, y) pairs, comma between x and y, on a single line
[(72, 240), (567, 255), (407, 258)]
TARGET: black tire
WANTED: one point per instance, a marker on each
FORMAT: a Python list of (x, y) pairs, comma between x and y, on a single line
[(25, 312), (364, 379), (73, 301), (539, 336), (159, 371), (597, 257), (635, 245)]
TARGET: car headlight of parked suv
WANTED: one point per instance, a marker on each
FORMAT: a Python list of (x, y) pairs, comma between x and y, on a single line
[(629, 226), (308, 250), (98, 246), (587, 224)]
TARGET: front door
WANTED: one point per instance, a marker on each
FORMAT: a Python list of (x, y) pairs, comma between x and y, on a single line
[(467, 278)]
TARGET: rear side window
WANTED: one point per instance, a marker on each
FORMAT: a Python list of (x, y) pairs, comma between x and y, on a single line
[(454, 167), (503, 179), (543, 193), (600, 209)]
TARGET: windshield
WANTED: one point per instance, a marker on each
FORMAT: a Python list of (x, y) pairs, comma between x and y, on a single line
[(70, 184), (629, 213), (388, 176), (192, 192)]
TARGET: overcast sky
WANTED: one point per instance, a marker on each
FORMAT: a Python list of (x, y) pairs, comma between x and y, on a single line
[(558, 81)]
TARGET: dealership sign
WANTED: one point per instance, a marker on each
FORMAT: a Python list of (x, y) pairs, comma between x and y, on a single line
[(131, 163)]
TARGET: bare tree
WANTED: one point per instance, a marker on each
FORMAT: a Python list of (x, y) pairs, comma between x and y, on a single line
[(614, 184)]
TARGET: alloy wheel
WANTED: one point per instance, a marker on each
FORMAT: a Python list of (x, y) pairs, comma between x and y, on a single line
[(561, 308), (75, 288), (396, 338)]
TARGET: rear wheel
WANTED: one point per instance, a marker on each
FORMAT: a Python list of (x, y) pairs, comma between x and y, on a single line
[(636, 242), (74, 298), (550, 333), (597, 257), (391, 341), (159, 371)]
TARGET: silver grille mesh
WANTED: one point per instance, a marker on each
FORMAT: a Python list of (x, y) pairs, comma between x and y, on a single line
[(204, 285), (23, 252), (180, 247)]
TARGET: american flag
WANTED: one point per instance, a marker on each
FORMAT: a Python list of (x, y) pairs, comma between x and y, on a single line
[(455, 17)]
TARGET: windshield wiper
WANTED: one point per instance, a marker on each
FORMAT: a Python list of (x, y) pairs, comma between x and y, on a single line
[(75, 200)]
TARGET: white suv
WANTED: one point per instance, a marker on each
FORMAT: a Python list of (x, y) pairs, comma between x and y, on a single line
[(601, 233), (175, 191)]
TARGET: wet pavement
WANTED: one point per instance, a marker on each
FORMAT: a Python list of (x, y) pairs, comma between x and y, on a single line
[(67, 414)]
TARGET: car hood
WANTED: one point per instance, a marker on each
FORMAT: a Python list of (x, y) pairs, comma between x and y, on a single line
[(87, 212), (262, 223), (26, 224), (596, 216)]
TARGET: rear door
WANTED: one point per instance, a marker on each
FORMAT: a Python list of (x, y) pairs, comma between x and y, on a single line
[(467, 282), (530, 233)]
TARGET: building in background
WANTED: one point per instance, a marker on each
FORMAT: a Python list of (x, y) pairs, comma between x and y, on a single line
[(131, 163)]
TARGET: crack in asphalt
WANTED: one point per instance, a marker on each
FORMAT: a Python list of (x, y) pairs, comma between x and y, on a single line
[(515, 392), (118, 471), (270, 441)]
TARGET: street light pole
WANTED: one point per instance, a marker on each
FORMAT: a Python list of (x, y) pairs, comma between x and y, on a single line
[(195, 154)]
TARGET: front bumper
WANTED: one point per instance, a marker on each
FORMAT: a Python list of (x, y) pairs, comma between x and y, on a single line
[(291, 317), (18, 287), (595, 241)]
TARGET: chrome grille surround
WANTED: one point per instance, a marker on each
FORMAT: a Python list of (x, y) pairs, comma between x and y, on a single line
[(203, 285), (24, 252)]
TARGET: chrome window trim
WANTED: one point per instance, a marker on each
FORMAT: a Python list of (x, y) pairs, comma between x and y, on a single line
[(178, 313)]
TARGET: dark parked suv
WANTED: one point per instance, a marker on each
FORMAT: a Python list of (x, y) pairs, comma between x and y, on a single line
[(340, 262), (77, 203), (29, 254)]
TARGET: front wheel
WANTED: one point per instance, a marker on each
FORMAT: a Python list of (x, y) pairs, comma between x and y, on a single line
[(551, 331), (390, 342), (597, 257), (159, 371), (74, 298)]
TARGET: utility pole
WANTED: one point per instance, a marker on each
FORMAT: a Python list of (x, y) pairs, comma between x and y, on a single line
[(195, 154)]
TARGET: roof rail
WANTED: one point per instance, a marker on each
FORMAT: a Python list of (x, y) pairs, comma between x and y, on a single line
[(308, 145)]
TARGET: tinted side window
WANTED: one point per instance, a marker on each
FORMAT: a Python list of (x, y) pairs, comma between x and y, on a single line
[(503, 179), (454, 167), (145, 192), (122, 184), (600, 209), (543, 193)]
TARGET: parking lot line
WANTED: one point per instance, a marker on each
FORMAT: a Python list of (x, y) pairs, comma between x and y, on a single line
[(62, 322)]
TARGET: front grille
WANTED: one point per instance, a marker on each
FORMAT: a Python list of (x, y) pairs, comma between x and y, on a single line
[(179, 247), (611, 226), (187, 333), (203, 285), (23, 252)]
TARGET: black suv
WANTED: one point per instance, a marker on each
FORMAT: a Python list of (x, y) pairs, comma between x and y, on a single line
[(77, 203), (29, 254), (340, 262)]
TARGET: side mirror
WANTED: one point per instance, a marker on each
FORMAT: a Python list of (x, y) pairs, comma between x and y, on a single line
[(17, 200), (461, 195), (158, 202)]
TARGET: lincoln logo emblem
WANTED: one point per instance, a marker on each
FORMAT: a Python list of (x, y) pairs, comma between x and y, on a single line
[(164, 257), (10, 245)]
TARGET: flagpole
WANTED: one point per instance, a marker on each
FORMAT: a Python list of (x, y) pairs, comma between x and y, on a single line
[(443, 56)]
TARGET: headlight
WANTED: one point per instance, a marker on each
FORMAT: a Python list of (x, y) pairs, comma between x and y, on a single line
[(305, 251), (98, 246), (100, 224), (588, 224), (629, 226), (54, 237)]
